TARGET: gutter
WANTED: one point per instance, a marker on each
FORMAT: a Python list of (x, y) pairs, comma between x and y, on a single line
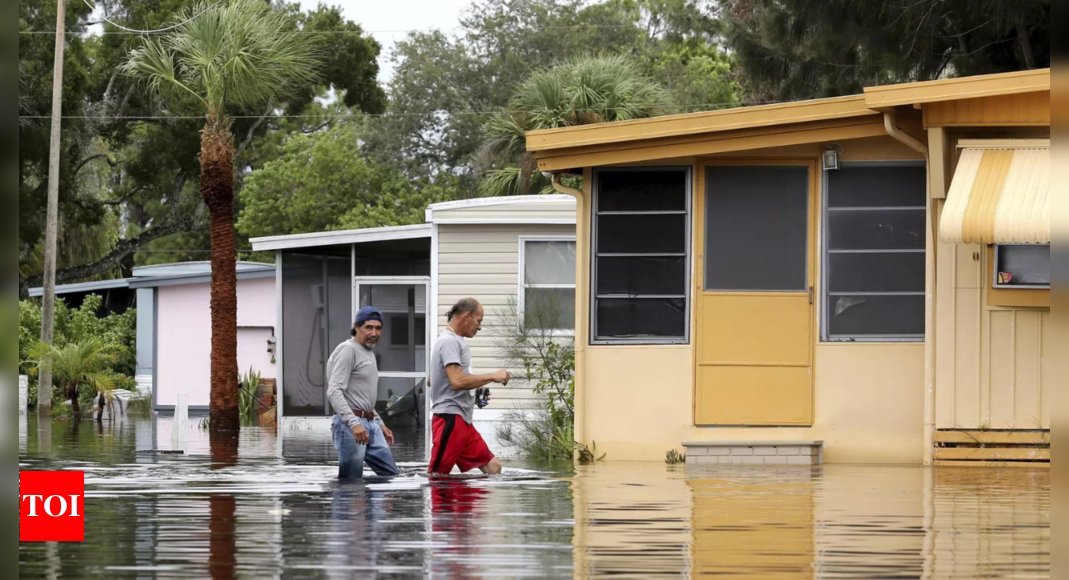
[(891, 124), (582, 239)]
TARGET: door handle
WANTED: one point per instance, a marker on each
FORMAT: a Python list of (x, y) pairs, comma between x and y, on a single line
[(810, 295)]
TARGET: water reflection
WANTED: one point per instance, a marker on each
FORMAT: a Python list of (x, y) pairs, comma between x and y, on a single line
[(232, 508)]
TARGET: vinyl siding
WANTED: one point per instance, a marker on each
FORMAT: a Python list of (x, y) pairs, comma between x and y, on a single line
[(483, 262)]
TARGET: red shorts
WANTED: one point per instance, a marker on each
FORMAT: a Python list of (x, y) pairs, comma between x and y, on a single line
[(457, 444)]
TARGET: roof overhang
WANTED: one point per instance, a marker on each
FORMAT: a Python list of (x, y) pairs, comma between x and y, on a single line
[(319, 239), (453, 212), (83, 287), (162, 281), (763, 127), (1033, 81), (1000, 194)]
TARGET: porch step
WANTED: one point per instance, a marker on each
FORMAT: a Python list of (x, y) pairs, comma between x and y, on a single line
[(754, 452)]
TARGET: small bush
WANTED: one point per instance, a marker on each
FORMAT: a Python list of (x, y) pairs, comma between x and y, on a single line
[(140, 404), (674, 457)]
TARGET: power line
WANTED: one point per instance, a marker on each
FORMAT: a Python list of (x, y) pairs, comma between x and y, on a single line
[(125, 31), (368, 115), (158, 30)]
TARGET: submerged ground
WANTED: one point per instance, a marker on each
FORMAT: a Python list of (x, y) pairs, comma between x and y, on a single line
[(272, 509)]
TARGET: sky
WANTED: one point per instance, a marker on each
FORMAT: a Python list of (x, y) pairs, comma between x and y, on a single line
[(389, 20)]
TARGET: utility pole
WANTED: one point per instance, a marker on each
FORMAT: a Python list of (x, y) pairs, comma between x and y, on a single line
[(48, 310)]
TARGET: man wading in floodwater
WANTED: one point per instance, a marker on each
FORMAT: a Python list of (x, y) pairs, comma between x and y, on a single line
[(456, 442), (353, 372)]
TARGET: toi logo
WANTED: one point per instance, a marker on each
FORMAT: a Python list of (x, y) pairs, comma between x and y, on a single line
[(51, 506)]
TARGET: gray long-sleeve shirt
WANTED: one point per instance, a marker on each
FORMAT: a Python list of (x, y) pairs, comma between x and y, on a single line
[(353, 381)]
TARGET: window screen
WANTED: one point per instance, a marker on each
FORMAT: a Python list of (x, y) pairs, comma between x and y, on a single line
[(641, 249), (1022, 267), (874, 256), (549, 284), (757, 229)]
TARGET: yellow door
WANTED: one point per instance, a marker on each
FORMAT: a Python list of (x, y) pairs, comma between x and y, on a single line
[(755, 307)]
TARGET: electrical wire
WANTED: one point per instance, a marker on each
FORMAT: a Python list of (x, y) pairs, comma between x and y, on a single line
[(156, 31), (327, 117)]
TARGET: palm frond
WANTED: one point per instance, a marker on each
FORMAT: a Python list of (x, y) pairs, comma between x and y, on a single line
[(238, 55)]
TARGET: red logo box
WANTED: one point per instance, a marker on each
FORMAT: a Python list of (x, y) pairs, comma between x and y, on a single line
[(51, 506)]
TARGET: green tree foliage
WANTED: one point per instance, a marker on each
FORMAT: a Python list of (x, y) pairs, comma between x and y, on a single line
[(797, 49), (117, 334), (76, 366), (323, 181), (130, 174), (580, 92), (447, 88)]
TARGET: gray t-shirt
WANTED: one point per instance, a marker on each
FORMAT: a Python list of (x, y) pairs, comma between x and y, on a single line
[(353, 381), (450, 350)]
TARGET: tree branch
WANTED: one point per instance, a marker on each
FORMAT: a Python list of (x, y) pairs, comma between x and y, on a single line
[(122, 250), (92, 158)]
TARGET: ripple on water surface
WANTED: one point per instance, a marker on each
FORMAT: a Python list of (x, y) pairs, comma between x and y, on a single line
[(262, 513)]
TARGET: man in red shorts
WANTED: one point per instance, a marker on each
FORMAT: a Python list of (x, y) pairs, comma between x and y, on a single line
[(456, 441)]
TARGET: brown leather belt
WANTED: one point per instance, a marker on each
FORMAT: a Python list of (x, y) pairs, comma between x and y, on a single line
[(364, 415)]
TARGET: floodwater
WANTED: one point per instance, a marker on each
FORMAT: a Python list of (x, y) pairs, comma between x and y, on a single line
[(258, 509)]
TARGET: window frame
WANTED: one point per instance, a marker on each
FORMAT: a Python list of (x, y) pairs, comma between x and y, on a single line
[(687, 255), (825, 252), (994, 271), (523, 285)]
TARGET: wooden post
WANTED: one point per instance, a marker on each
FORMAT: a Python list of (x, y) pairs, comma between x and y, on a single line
[(48, 310)]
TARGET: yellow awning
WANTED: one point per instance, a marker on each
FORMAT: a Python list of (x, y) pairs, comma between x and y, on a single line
[(1000, 194)]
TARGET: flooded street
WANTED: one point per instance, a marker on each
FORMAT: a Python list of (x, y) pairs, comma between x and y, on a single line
[(265, 510)]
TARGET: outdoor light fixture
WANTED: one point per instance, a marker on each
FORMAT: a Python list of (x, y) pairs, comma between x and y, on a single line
[(831, 157)]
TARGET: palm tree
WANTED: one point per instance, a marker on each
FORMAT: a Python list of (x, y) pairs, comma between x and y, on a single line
[(224, 58), (582, 91), (77, 365)]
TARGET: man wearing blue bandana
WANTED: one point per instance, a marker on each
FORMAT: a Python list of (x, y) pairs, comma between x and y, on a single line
[(353, 374)]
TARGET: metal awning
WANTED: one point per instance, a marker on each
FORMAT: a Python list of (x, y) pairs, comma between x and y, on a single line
[(1000, 194)]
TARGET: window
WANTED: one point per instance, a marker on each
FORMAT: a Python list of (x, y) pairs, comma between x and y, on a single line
[(548, 284), (874, 253), (1022, 267), (640, 269), (399, 330)]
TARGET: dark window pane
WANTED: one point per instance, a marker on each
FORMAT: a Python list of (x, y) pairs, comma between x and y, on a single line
[(1023, 266), (642, 234), (641, 318), (901, 186), (633, 276), (757, 228), (398, 326), (642, 190), (859, 316), (549, 308), (876, 230), (876, 272)]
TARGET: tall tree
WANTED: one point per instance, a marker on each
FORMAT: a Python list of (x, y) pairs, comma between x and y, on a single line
[(446, 88), (129, 184), (798, 49), (581, 92), (222, 57)]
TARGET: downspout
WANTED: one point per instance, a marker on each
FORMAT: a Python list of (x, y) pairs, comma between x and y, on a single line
[(891, 125), (580, 335)]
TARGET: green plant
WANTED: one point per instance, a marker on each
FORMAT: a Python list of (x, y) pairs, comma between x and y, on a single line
[(117, 334), (80, 370), (674, 457), (588, 455), (248, 404), (140, 403)]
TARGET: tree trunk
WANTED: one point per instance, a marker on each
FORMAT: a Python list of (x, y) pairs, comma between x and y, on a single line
[(76, 408), (217, 189), (101, 401)]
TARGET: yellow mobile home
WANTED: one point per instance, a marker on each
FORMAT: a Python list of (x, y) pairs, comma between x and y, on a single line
[(858, 279)]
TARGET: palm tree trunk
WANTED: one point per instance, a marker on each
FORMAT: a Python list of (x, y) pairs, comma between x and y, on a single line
[(76, 408), (217, 189)]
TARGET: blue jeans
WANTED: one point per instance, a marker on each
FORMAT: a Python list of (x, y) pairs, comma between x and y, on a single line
[(351, 456)]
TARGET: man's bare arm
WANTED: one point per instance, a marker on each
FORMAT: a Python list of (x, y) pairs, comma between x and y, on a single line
[(461, 381)]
